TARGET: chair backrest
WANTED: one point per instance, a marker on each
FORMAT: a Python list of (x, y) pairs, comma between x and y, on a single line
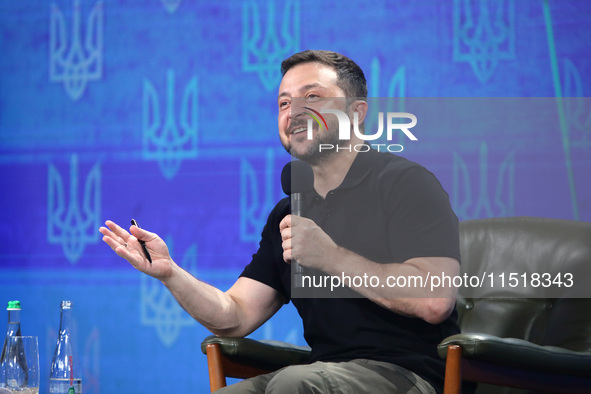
[(499, 247)]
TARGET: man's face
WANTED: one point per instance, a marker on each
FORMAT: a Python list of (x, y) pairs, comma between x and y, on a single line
[(312, 82)]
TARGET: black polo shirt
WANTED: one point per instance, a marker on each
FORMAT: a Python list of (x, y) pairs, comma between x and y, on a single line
[(387, 209)]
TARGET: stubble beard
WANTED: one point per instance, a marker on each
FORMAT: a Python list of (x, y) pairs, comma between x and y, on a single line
[(313, 155)]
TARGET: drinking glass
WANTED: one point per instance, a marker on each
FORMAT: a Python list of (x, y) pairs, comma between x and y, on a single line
[(22, 368)]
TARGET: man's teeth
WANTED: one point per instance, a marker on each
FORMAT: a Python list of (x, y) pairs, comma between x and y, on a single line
[(297, 131)]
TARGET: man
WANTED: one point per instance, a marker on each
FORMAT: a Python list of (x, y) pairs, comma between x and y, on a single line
[(370, 214)]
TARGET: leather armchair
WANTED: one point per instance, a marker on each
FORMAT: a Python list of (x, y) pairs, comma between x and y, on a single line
[(525, 337), (245, 358)]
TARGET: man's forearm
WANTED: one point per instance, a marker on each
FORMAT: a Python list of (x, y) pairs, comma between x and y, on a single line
[(415, 301), (211, 307)]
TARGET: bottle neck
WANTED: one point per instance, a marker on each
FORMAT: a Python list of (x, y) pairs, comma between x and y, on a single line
[(65, 320), (14, 322)]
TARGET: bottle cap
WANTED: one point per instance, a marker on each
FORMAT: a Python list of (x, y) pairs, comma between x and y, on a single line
[(14, 305), (66, 304)]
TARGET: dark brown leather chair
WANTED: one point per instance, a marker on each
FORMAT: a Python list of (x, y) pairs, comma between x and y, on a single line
[(529, 337)]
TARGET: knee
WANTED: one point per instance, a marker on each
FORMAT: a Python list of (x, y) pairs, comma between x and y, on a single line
[(297, 379)]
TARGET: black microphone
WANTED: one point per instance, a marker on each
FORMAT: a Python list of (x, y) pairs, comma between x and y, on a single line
[(297, 178)]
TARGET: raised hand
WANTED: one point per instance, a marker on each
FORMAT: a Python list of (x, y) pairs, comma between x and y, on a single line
[(126, 245)]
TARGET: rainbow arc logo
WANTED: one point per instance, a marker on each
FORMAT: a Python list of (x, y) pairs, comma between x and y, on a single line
[(315, 115)]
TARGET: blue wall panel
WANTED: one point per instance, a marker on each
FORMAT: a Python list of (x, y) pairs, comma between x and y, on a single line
[(165, 111)]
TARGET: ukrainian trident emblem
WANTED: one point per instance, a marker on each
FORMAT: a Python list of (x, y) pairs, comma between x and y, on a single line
[(70, 222), (165, 140), (79, 60), (484, 204), (266, 44), (253, 206), (484, 34)]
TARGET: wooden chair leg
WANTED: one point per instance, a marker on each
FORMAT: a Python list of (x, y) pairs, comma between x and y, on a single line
[(217, 379), (453, 370)]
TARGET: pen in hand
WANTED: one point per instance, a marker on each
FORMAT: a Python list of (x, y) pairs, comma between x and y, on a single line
[(135, 223)]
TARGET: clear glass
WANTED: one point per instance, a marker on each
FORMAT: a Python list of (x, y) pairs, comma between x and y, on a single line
[(22, 365)]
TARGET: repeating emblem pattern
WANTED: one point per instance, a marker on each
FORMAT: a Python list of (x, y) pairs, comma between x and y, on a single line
[(483, 34), (503, 201), (159, 308), (69, 223), (79, 60), (264, 47), (164, 140), (103, 80), (254, 208)]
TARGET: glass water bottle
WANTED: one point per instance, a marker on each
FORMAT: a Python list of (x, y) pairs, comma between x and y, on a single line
[(13, 329), (65, 377)]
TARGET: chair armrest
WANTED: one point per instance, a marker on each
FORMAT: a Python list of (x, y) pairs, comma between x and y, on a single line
[(270, 355), (518, 353)]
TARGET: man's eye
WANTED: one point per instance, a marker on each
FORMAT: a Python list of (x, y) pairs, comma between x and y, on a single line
[(283, 104), (312, 97)]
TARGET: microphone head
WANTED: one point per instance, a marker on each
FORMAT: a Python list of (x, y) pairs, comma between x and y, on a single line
[(297, 177)]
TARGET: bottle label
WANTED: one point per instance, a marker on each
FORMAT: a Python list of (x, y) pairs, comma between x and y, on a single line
[(63, 386)]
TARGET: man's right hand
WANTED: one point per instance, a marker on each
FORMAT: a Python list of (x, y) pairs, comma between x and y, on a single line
[(126, 245)]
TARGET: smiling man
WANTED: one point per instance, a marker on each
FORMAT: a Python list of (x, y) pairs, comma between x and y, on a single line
[(371, 214)]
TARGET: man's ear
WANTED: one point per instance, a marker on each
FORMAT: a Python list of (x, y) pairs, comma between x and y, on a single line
[(360, 107)]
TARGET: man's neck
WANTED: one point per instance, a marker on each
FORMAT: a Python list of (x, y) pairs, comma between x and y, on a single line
[(329, 174)]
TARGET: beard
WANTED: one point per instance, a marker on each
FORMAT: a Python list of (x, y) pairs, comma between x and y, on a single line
[(312, 153)]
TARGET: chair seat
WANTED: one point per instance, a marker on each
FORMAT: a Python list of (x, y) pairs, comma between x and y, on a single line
[(518, 353)]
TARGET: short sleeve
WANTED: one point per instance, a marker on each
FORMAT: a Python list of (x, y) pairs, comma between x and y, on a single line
[(421, 220)]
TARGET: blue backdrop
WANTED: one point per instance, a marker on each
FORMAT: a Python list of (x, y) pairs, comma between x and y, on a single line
[(165, 111)]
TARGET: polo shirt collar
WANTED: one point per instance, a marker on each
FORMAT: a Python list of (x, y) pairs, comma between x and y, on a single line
[(362, 165)]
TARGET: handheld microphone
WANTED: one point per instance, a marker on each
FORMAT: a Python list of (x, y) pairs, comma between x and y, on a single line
[(297, 178)]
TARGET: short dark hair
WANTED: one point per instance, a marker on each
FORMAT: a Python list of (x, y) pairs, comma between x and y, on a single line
[(350, 76)]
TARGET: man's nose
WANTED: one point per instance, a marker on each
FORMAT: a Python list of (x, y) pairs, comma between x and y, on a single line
[(296, 112)]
